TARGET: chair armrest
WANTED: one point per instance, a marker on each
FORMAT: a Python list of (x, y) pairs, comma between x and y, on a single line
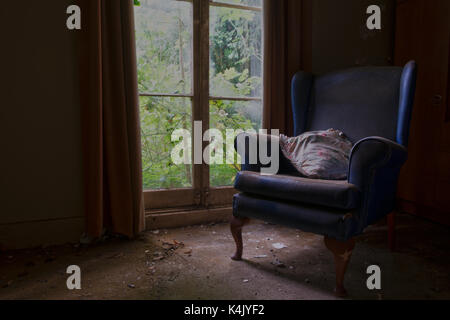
[(375, 165), (251, 157), (373, 153)]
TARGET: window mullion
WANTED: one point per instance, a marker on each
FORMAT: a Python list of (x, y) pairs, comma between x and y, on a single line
[(201, 90), (204, 74)]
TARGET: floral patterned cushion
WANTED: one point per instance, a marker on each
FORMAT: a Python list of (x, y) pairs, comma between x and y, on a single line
[(319, 154)]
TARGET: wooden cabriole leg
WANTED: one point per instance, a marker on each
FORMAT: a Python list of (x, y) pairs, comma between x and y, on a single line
[(236, 225), (342, 252), (391, 230)]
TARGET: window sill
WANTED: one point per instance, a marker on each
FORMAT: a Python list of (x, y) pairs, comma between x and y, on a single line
[(176, 218)]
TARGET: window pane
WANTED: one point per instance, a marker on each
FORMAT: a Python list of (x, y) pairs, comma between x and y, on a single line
[(253, 3), (164, 46), (235, 53), (160, 117), (236, 115)]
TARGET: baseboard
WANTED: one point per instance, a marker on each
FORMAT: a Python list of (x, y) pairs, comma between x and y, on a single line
[(60, 231), (186, 218), (40, 233)]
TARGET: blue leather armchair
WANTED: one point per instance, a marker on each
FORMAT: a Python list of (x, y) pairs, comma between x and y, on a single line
[(373, 107)]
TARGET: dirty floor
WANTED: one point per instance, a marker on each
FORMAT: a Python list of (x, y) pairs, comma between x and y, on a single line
[(193, 263)]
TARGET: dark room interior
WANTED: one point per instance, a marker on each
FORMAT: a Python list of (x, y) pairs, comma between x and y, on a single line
[(247, 150)]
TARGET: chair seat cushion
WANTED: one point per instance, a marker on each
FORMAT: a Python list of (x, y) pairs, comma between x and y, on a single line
[(329, 193), (331, 222)]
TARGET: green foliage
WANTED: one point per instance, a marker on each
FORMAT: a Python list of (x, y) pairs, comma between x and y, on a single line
[(164, 46)]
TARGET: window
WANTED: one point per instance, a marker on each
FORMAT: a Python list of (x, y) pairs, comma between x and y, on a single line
[(184, 77)]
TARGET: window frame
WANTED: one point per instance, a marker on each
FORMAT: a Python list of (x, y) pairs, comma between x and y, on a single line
[(201, 194)]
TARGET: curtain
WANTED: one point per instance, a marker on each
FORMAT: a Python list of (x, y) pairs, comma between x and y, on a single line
[(110, 119), (285, 53)]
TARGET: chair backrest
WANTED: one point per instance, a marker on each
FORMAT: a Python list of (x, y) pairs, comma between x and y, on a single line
[(361, 102)]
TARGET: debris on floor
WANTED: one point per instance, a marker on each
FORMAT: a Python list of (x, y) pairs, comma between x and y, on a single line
[(279, 246), (168, 248), (162, 268), (277, 263)]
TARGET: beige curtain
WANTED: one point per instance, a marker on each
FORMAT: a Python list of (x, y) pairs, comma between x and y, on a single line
[(110, 119), (285, 52)]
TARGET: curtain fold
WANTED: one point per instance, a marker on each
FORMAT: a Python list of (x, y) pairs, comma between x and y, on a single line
[(110, 119), (283, 57)]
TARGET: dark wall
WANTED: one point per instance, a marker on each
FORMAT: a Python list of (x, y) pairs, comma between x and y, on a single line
[(340, 38), (40, 159)]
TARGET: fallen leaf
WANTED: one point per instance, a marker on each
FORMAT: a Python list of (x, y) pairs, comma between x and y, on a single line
[(158, 258)]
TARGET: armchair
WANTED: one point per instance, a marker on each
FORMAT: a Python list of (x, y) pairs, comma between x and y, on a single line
[(373, 107)]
